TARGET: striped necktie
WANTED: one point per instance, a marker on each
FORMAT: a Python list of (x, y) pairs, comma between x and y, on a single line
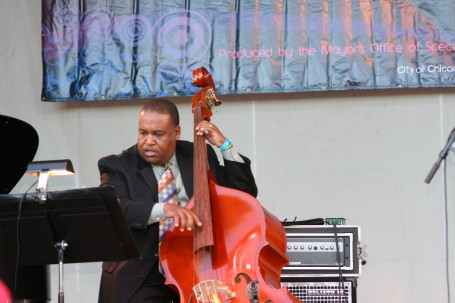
[(167, 193)]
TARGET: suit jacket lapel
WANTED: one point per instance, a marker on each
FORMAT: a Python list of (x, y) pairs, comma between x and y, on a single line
[(146, 171), (150, 179), (185, 162)]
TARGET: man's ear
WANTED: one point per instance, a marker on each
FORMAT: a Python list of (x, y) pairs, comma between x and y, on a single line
[(177, 132)]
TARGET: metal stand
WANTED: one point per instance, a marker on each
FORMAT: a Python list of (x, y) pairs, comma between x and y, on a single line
[(442, 155), (60, 246)]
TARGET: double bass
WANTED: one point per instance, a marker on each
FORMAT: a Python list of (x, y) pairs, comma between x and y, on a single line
[(237, 255)]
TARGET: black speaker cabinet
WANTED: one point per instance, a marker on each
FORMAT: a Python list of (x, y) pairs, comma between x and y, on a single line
[(322, 290)]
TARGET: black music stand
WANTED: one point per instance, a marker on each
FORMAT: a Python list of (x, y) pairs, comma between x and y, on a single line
[(81, 225)]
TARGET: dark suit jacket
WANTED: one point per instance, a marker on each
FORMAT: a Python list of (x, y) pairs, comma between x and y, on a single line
[(137, 190)]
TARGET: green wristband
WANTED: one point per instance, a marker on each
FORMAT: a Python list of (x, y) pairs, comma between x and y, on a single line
[(226, 145)]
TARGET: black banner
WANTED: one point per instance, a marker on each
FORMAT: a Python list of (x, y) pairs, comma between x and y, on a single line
[(115, 49)]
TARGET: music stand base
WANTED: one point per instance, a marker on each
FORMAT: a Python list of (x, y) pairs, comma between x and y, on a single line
[(60, 246)]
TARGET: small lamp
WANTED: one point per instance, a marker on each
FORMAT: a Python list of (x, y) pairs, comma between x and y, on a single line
[(45, 169)]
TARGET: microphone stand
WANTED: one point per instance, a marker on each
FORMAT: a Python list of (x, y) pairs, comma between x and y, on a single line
[(442, 156)]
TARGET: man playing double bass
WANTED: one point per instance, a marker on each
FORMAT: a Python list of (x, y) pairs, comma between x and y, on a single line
[(137, 175)]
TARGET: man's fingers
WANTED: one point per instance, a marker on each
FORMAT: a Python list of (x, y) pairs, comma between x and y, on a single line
[(184, 218)]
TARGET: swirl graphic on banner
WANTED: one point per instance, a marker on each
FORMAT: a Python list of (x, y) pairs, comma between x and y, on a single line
[(132, 30), (183, 36), (96, 25)]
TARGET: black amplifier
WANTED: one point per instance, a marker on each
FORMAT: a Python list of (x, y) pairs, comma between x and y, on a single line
[(322, 251), (323, 290)]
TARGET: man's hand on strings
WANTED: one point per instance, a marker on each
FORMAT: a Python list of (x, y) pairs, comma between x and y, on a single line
[(211, 133), (183, 217)]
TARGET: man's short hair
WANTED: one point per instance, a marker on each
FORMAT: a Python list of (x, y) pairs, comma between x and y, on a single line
[(164, 107)]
